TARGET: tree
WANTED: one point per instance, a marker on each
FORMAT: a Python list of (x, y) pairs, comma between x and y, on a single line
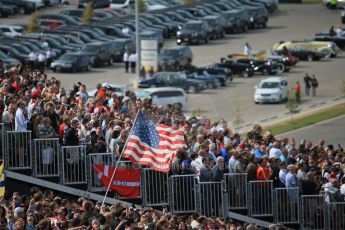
[(87, 14), (292, 105), (33, 23), (142, 7), (187, 1)]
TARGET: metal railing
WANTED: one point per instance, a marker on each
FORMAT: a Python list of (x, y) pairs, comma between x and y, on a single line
[(18, 150), (260, 198), (336, 215), (2, 141), (154, 188), (312, 212), (236, 187), (211, 198), (286, 205), (46, 157), (73, 164), (183, 194)]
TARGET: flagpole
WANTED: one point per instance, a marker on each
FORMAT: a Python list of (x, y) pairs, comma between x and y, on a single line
[(117, 162)]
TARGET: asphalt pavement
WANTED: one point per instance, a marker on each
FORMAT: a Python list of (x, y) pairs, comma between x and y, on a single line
[(291, 22), (331, 130)]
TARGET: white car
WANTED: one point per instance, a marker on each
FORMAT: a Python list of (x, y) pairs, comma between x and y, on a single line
[(272, 89), (121, 4), (11, 30), (164, 96), (38, 3)]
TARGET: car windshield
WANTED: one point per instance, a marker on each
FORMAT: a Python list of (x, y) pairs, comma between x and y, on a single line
[(68, 57), (269, 85), (3, 55), (170, 52), (181, 77), (191, 26), (19, 30)]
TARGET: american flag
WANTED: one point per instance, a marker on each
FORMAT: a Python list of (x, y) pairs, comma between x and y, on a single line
[(153, 145)]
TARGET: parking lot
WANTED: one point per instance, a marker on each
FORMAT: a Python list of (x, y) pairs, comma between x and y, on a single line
[(291, 22)]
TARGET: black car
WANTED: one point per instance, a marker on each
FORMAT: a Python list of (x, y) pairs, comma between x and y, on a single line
[(12, 52), (68, 20), (118, 47), (173, 79), (241, 69), (5, 10), (175, 57), (223, 75), (193, 32), (216, 23), (264, 67), (23, 7), (303, 54), (8, 61), (339, 41), (98, 53), (95, 3), (71, 62)]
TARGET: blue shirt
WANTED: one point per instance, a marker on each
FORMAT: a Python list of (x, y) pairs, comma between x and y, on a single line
[(290, 180), (258, 153)]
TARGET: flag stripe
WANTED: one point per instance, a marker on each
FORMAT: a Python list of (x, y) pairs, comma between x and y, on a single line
[(153, 145)]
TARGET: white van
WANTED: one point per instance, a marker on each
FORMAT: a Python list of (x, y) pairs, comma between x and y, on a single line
[(164, 96), (122, 4)]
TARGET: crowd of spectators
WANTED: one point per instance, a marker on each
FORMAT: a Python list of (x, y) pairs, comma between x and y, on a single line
[(32, 100)]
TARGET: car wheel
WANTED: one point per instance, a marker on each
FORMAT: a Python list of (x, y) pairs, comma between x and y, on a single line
[(210, 86), (178, 43), (191, 89), (281, 67), (310, 57), (21, 10), (328, 53), (256, 102), (88, 68), (265, 72), (264, 25), (245, 74)]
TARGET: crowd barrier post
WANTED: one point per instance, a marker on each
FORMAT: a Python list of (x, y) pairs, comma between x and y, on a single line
[(73, 164), (312, 212), (154, 188), (336, 215), (260, 198), (46, 157), (286, 205), (18, 150), (2, 141), (211, 199), (182, 194), (236, 190)]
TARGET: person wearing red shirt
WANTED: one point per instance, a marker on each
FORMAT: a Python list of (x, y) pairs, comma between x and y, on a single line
[(298, 91)]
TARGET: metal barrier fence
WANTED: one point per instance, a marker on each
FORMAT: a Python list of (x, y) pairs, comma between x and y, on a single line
[(336, 215), (46, 157), (312, 212), (154, 188), (2, 141), (211, 198), (73, 165), (18, 150), (236, 187), (286, 206), (183, 194), (260, 198)]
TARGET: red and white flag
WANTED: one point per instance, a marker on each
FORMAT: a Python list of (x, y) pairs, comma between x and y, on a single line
[(126, 182), (153, 145)]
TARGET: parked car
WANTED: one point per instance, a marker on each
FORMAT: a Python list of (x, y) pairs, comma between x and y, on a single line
[(98, 53), (192, 32), (95, 3), (210, 81), (175, 57), (8, 61), (38, 3), (164, 96), (216, 23), (24, 7), (11, 30), (302, 54), (339, 41), (174, 79), (71, 62), (12, 52), (5, 10), (272, 89), (122, 4), (223, 75), (241, 69), (329, 48), (264, 67), (68, 20)]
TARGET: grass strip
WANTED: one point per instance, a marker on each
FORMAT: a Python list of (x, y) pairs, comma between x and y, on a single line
[(313, 118)]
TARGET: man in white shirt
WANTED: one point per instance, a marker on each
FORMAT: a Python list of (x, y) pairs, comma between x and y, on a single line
[(41, 61), (339, 31), (247, 50), (197, 163), (126, 60), (133, 61), (275, 152), (32, 59), (20, 119), (21, 122)]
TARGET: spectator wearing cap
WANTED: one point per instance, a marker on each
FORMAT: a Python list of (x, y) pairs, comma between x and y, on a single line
[(275, 151)]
